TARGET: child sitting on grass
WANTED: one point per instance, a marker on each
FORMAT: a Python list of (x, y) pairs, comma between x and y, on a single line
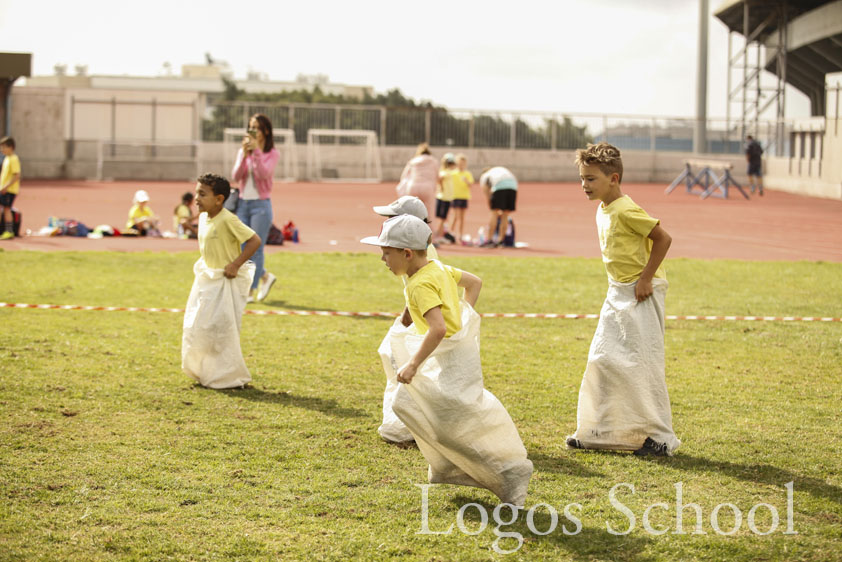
[(463, 431), (623, 400), (210, 347)]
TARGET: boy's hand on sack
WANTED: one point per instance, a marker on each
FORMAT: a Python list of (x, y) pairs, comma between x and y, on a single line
[(231, 270), (643, 290), (406, 374)]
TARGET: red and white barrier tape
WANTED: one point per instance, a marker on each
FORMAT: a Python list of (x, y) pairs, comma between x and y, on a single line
[(392, 315)]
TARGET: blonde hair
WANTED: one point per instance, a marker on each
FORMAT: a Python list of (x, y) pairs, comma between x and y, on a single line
[(423, 148), (603, 155)]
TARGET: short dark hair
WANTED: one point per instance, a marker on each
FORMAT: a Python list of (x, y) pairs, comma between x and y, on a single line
[(187, 197), (265, 126), (8, 141), (218, 184)]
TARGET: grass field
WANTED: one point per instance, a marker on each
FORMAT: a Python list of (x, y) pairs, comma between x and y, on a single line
[(109, 452)]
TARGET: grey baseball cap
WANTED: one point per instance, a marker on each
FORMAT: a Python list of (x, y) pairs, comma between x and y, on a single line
[(406, 205), (403, 231)]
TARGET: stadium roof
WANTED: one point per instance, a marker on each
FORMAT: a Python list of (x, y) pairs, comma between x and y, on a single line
[(813, 38)]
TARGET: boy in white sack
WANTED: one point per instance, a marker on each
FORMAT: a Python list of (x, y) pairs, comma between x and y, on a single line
[(463, 431), (623, 400), (210, 345)]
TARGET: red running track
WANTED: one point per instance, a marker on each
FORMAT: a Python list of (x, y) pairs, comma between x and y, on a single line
[(554, 219)]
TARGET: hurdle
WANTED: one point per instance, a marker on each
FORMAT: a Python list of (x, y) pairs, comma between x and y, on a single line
[(711, 184)]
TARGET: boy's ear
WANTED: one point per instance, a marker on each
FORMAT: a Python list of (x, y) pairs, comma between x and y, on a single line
[(615, 178)]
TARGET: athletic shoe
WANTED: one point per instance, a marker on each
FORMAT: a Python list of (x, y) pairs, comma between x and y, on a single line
[(266, 286), (488, 244), (574, 443), (651, 447), (249, 298), (7, 235), (450, 238)]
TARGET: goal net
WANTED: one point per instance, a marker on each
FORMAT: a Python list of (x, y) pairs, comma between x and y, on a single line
[(147, 160), (287, 168), (343, 155)]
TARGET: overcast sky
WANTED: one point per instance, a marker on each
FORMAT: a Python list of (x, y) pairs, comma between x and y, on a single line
[(572, 56)]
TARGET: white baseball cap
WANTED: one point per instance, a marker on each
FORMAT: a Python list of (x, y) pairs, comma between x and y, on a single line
[(140, 196), (406, 205), (402, 231)]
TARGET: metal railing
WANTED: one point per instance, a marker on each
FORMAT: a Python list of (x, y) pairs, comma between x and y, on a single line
[(405, 126)]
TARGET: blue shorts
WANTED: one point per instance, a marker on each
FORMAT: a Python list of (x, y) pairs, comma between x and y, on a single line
[(460, 203), (7, 199)]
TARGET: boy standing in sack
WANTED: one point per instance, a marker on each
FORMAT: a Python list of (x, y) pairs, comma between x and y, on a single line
[(623, 400), (210, 347), (463, 431)]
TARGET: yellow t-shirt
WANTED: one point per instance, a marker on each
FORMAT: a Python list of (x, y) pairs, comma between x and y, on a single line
[(136, 212), (462, 183), (434, 285), (446, 193), (182, 212), (11, 166), (624, 229), (220, 238)]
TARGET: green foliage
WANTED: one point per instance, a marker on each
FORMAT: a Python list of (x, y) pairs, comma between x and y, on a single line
[(111, 453)]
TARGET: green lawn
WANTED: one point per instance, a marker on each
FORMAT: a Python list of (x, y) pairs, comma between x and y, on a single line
[(109, 452)]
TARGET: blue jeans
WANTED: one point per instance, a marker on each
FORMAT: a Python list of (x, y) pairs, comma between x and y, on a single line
[(256, 214)]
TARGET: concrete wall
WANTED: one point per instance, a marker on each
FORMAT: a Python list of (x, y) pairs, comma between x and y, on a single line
[(37, 126)]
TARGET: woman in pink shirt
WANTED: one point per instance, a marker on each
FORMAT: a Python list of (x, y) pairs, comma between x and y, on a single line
[(254, 169), (419, 178)]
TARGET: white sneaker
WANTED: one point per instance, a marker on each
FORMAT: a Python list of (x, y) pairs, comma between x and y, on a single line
[(266, 286)]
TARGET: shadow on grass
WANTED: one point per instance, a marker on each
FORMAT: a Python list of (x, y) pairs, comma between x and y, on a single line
[(325, 406), (560, 463), (295, 307), (588, 543), (760, 473)]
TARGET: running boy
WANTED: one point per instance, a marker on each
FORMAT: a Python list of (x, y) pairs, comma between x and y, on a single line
[(462, 430), (623, 400), (9, 184), (393, 430), (210, 347)]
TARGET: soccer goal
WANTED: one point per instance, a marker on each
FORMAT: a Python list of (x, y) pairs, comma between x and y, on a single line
[(147, 159), (287, 168), (343, 155)]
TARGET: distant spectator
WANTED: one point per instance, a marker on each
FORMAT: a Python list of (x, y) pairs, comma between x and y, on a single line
[(444, 197), (462, 183), (184, 222), (9, 184), (419, 178), (500, 187), (754, 156), (142, 219), (255, 170)]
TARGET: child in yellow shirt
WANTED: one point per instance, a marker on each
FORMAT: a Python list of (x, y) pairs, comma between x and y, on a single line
[(462, 182), (210, 346), (9, 184), (462, 430), (623, 400)]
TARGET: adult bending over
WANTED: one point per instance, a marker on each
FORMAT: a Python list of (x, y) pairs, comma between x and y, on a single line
[(254, 169)]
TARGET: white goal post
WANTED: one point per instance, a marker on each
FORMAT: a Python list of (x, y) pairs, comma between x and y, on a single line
[(142, 159), (284, 139), (343, 155)]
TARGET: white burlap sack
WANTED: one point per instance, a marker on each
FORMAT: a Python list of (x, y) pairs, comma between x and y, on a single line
[(463, 431), (392, 429), (623, 398), (210, 343)]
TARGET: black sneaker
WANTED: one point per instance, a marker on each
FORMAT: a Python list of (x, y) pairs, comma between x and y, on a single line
[(651, 447), (450, 238), (574, 443)]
